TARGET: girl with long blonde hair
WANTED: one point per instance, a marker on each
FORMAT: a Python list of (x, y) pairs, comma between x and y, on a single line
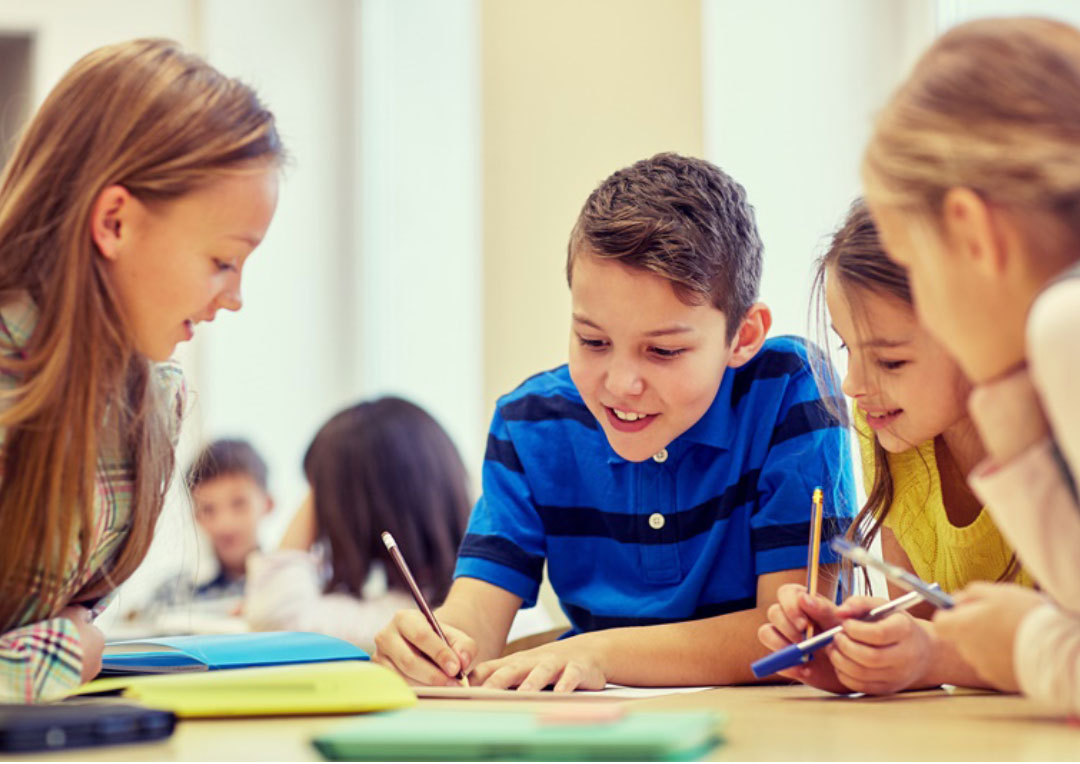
[(972, 174), (127, 212)]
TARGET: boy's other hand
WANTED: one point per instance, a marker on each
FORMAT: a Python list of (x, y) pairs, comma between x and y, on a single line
[(789, 616), (411, 647), (983, 627), (568, 665), (90, 638)]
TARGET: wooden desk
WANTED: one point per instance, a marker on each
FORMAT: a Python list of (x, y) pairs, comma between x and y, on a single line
[(765, 723)]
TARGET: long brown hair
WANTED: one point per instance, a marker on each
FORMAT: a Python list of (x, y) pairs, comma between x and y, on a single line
[(387, 465), (160, 122), (993, 106), (857, 260)]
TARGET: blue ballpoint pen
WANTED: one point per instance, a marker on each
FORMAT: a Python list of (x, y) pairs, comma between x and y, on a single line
[(793, 655)]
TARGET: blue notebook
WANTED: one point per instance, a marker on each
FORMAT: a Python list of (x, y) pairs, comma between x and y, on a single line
[(209, 652)]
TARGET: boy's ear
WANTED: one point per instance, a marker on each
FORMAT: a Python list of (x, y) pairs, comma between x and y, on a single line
[(751, 335), (109, 220), (269, 504), (971, 231)]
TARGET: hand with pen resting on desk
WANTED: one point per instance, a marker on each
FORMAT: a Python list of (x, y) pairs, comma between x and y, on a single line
[(897, 653), (983, 627)]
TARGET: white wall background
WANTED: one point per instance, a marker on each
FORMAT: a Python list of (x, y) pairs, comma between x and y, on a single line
[(788, 108)]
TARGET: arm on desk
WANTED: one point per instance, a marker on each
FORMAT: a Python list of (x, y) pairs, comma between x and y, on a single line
[(683, 653)]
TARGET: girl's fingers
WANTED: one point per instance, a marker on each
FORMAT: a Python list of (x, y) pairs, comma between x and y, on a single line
[(788, 598), (782, 624), (888, 631)]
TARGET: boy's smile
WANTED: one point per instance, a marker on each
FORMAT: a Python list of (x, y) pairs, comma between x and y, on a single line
[(646, 364)]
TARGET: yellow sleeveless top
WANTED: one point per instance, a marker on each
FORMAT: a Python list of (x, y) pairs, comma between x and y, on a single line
[(939, 551)]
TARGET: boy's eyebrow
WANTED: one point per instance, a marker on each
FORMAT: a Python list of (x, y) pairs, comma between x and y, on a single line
[(676, 329), (249, 240)]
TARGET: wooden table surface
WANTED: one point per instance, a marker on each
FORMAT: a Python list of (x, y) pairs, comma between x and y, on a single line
[(764, 723)]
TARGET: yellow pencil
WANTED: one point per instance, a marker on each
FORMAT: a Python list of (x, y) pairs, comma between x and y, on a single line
[(815, 548)]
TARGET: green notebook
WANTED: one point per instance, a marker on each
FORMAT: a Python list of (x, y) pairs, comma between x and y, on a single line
[(433, 735)]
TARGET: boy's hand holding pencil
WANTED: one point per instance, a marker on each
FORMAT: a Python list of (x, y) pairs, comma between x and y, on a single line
[(412, 648), (414, 631)]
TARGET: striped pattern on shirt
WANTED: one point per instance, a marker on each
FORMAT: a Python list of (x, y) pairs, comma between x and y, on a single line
[(681, 536)]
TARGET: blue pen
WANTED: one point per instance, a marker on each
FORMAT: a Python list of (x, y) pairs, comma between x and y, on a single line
[(793, 655)]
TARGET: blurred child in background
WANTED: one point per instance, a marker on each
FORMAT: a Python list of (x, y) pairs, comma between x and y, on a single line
[(381, 465), (228, 485), (227, 482)]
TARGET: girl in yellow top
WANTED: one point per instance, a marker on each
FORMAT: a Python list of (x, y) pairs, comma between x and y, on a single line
[(917, 445)]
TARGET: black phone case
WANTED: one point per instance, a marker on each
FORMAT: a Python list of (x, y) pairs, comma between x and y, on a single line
[(77, 724)]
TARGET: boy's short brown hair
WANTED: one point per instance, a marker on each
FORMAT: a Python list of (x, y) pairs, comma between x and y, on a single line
[(227, 457), (681, 218)]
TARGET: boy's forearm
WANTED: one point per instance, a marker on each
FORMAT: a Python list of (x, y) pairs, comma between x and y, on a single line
[(463, 614), (709, 651), (481, 610)]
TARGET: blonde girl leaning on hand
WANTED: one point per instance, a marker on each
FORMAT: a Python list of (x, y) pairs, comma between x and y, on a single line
[(972, 174), (127, 213)]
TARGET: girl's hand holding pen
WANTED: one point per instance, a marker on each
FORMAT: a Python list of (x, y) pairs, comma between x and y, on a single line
[(880, 657), (788, 618), (410, 646), (983, 627)]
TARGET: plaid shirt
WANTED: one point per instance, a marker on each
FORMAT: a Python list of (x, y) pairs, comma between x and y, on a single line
[(43, 660)]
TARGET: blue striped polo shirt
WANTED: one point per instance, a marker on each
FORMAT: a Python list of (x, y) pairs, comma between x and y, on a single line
[(680, 536)]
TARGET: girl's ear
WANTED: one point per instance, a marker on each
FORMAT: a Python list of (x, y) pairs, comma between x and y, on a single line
[(751, 335), (110, 219), (971, 232)]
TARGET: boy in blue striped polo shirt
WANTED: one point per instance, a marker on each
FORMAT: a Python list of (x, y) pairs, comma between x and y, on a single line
[(664, 475)]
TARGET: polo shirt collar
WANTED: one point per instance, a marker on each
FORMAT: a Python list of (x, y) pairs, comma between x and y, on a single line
[(715, 429)]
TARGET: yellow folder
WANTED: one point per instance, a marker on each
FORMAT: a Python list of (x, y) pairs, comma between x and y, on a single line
[(309, 688)]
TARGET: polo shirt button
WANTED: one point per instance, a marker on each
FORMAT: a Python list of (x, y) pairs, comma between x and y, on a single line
[(656, 521), (660, 456)]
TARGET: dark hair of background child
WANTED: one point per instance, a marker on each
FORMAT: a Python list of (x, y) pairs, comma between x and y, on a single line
[(387, 465), (227, 457)]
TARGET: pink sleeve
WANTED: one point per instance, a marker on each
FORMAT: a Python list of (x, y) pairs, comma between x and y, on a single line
[(1033, 505), (1027, 421), (1046, 657)]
